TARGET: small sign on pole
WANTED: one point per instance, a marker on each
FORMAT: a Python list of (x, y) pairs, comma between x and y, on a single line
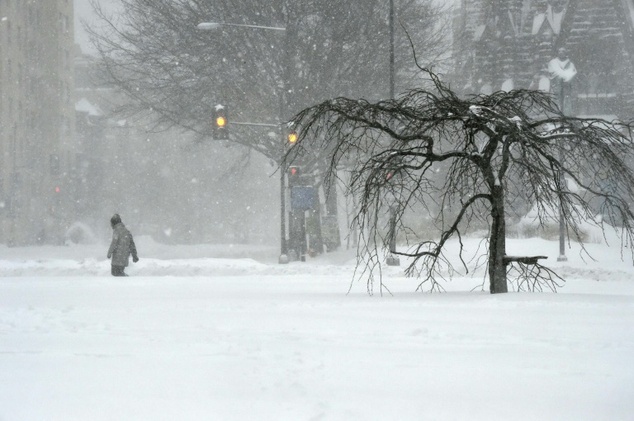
[(303, 198)]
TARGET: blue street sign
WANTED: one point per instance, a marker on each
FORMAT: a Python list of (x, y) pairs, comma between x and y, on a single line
[(303, 197)]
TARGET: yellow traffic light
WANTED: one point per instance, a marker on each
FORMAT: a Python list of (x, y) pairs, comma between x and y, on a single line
[(292, 137), (220, 123)]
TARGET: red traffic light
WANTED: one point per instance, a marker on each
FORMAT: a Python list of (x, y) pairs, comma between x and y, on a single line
[(293, 176)]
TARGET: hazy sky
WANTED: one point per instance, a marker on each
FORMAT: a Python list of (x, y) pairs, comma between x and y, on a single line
[(83, 11)]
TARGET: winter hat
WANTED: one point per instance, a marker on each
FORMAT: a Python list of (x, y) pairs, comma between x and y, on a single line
[(116, 219)]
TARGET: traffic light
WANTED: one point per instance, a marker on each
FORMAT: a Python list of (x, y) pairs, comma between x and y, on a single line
[(293, 176), (56, 200), (220, 123), (292, 137)]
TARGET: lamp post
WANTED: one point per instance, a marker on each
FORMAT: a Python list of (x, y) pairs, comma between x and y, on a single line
[(563, 71), (210, 26), (392, 260), (391, 23)]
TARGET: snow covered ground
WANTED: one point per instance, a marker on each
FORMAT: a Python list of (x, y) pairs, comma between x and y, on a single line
[(225, 333)]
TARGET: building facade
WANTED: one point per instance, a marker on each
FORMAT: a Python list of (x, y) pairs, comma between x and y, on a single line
[(506, 44), (37, 119)]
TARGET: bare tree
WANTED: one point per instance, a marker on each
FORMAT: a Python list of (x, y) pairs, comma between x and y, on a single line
[(492, 151), (173, 74), (176, 74)]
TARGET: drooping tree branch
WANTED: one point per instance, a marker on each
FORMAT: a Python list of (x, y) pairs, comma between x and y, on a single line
[(430, 151)]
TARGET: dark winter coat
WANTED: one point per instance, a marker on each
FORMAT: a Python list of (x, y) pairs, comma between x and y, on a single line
[(122, 246)]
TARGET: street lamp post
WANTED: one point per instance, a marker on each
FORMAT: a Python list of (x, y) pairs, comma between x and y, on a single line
[(563, 71), (210, 26), (391, 23), (392, 260)]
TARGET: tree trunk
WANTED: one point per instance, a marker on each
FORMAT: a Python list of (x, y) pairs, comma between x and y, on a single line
[(497, 248)]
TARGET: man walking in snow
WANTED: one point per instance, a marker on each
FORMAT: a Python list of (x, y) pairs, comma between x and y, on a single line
[(121, 247)]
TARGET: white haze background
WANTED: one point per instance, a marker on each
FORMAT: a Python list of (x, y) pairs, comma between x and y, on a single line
[(84, 13)]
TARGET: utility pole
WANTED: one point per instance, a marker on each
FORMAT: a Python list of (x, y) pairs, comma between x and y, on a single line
[(392, 260)]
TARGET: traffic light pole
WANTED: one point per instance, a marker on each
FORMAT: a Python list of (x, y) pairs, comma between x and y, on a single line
[(206, 26), (283, 244), (284, 258)]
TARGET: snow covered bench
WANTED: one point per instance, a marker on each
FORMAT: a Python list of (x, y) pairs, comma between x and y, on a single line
[(527, 260)]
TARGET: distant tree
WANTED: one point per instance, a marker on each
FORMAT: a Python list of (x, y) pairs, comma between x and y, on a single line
[(175, 74), (491, 150)]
